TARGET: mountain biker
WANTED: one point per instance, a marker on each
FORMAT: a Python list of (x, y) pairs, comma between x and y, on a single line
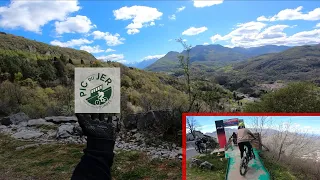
[(244, 137), (198, 143), (98, 156), (204, 140)]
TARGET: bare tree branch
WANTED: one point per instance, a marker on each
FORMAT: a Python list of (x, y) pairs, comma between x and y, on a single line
[(290, 140), (192, 126)]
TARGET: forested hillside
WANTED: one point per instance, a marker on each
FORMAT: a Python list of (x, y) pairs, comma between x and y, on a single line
[(40, 84)]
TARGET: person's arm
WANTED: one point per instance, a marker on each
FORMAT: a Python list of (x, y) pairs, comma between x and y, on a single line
[(98, 156), (251, 134)]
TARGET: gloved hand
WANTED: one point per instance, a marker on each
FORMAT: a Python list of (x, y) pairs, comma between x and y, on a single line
[(95, 126)]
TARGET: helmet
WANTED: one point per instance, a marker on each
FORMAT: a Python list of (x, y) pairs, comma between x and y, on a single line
[(241, 125)]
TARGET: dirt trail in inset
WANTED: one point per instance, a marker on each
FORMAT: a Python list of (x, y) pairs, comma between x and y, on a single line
[(256, 170)]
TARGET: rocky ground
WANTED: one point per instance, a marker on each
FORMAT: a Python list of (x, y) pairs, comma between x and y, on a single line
[(62, 129)]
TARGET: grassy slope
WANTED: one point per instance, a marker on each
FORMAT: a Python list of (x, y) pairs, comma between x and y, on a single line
[(218, 173), (32, 48), (278, 171), (168, 63), (57, 162)]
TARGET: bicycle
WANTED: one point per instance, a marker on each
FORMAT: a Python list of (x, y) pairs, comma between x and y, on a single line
[(202, 148), (245, 161)]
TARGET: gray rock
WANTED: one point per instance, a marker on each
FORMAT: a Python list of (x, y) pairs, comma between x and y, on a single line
[(131, 120), (155, 157), (51, 134), (61, 119), (77, 130), (36, 122), (165, 155), (14, 119), (174, 145), (64, 131), (5, 129), (27, 134), (173, 155), (195, 162), (22, 124), (134, 130), (152, 119), (206, 165), (138, 136)]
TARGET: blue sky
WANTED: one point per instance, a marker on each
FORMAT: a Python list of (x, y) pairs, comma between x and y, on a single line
[(307, 123), (128, 31)]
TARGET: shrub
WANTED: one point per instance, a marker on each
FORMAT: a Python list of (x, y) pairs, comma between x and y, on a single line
[(296, 97)]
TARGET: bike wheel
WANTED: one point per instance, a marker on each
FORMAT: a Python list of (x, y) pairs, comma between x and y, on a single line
[(243, 166)]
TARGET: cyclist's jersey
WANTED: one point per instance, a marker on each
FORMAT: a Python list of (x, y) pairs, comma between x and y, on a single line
[(243, 135)]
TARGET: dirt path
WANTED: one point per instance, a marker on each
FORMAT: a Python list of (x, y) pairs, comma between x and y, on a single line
[(256, 170)]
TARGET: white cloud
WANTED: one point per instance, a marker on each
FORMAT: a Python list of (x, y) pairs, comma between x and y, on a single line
[(253, 34), (262, 18), (205, 43), (133, 31), (181, 8), (122, 61), (170, 40), (112, 57), (172, 17), (184, 40), (92, 49), (95, 49), (206, 3), (71, 43), (77, 24), (293, 14), (141, 16), (111, 40), (33, 15), (272, 32), (318, 25), (110, 50), (153, 57), (194, 31)]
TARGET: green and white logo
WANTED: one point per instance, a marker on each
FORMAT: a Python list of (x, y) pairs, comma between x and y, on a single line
[(96, 96), (99, 92)]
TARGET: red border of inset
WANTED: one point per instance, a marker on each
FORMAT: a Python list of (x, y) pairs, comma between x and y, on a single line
[(184, 128)]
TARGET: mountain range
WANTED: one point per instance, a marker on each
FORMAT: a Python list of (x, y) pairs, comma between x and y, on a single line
[(141, 64), (212, 55)]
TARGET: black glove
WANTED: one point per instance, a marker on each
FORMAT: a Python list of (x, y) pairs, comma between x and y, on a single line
[(95, 126)]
